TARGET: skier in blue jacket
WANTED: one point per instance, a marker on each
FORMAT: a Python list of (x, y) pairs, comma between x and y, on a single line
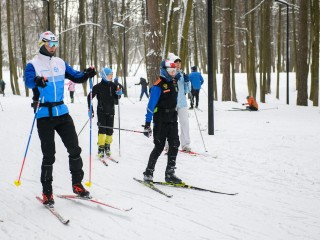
[(196, 81), (47, 73), (162, 107)]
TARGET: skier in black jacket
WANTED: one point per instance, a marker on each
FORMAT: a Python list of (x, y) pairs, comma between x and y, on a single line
[(162, 107), (107, 95)]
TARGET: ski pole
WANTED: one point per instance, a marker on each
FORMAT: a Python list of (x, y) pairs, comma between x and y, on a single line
[(83, 126), (18, 182), (90, 144), (119, 121), (122, 129), (198, 123)]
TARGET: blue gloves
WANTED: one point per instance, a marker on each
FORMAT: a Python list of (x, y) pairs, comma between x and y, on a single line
[(186, 77), (147, 130), (90, 114), (178, 76), (119, 92)]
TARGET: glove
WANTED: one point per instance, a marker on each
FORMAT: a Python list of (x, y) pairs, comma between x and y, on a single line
[(41, 81), (92, 113), (186, 77), (34, 105), (243, 104), (119, 92), (178, 76), (90, 72), (147, 130)]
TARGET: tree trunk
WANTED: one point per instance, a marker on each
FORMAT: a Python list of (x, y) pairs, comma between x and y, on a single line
[(226, 18), (302, 61), (314, 93), (153, 40), (82, 46)]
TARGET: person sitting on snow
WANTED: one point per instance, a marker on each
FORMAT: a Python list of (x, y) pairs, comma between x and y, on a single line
[(251, 104)]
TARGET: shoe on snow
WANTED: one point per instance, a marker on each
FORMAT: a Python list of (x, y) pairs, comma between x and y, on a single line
[(47, 199), (107, 149), (148, 176), (170, 177), (101, 152), (186, 149), (80, 190)]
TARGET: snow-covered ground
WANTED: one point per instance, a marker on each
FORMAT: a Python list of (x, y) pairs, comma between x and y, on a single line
[(270, 157)]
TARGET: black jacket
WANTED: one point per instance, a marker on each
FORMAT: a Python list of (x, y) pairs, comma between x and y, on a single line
[(106, 96)]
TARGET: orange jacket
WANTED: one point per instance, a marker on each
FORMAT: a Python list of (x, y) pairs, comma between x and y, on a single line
[(252, 102)]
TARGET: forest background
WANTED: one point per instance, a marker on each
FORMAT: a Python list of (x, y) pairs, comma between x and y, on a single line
[(249, 36)]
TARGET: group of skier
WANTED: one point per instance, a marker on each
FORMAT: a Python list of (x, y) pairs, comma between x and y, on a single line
[(45, 74)]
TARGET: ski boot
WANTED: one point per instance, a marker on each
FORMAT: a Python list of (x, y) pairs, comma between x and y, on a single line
[(107, 150), (170, 177), (148, 175), (47, 199), (101, 152), (80, 190)]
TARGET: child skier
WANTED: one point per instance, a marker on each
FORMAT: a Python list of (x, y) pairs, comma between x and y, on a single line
[(107, 96)]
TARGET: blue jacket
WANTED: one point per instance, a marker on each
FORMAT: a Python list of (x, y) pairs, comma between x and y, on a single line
[(184, 88), (196, 80), (55, 70)]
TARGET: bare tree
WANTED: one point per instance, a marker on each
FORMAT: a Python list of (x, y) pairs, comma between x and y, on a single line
[(302, 61), (314, 92), (226, 9), (153, 40), (12, 64)]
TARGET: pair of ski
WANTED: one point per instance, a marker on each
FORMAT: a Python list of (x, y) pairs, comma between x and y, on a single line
[(192, 153), (152, 186), (105, 158), (77, 197)]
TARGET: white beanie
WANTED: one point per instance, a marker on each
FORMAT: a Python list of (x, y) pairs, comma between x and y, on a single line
[(172, 57)]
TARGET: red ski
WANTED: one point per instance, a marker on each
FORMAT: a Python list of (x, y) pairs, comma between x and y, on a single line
[(93, 200)]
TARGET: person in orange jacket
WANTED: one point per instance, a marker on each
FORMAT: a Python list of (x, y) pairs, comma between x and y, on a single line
[(251, 104)]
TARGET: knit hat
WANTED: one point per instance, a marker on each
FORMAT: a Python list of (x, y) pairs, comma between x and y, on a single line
[(105, 72), (165, 64), (172, 57), (194, 69), (115, 80), (48, 37)]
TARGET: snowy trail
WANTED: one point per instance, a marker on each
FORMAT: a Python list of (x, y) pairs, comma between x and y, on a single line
[(269, 157)]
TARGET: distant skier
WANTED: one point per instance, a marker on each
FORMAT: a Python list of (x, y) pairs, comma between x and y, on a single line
[(196, 80), (144, 87), (251, 104), (2, 86), (71, 87)]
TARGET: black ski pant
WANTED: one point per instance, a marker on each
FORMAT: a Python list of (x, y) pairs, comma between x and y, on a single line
[(64, 126), (163, 131), (105, 123), (195, 94)]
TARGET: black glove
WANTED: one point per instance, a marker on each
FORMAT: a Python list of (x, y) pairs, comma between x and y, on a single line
[(34, 104), (41, 81), (147, 130), (178, 76), (243, 104), (90, 72), (186, 77)]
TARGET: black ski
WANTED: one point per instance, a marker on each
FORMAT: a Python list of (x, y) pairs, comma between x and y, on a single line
[(54, 212), (151, 186), (183, 185)]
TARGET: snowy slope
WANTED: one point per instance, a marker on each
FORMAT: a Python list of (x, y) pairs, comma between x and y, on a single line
[(270, 158)]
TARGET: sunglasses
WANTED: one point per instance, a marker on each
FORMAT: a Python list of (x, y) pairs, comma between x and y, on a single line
[(52, 43)]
